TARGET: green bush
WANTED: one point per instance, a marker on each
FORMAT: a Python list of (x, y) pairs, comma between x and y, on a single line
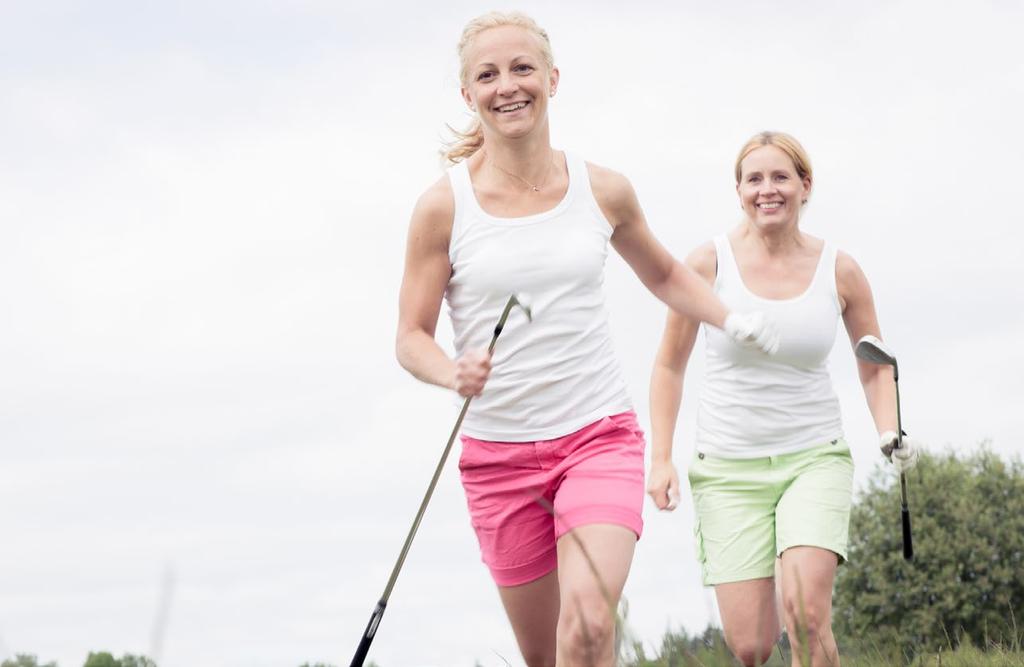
[(966, 581), (105, 659), (26, 660)]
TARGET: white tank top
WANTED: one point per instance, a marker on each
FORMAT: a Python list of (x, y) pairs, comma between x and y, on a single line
[(559, 373), (752, 404)]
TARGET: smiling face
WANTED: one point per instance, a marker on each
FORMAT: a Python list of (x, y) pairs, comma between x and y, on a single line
[(507, 80), (770, 190)]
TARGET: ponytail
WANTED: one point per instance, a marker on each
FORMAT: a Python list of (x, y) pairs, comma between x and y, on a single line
[(465, 143)]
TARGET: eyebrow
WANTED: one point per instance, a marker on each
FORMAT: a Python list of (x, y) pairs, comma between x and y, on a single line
[(773, 171), (515, 60)]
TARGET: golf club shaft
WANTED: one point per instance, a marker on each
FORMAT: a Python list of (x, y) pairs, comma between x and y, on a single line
[(378, 611), (899, 417), (899, 444), (423, 505)]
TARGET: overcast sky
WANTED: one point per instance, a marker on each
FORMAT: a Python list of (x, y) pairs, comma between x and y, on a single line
[(203, 209)]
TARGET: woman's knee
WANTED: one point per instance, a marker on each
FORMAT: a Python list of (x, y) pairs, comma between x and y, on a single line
[(752, 648), (807, 617), (540, 657), (753, 651), (586, 635)]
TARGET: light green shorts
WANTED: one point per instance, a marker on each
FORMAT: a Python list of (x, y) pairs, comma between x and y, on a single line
[(751, 510)]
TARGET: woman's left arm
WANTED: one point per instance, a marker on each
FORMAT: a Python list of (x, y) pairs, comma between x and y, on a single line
[(877, 379), (859, 316), (668, 279)]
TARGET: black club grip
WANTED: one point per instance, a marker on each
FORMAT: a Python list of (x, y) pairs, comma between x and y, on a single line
[(368, 634), (908, 543)]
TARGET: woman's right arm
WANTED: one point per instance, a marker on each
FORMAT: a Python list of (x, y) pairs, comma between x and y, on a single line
[(427, 271), (667, 387)]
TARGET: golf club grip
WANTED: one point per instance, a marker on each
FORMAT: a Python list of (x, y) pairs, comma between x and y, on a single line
[(908, 543), (368, 634)]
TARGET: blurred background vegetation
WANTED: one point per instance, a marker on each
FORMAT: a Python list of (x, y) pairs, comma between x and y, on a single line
[(959, 602)]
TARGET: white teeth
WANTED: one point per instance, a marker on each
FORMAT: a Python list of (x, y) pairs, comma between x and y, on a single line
[(512, 107), (770, 205)]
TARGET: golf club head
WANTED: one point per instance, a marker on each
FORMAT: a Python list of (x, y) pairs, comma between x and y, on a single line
[(524, 301), (871, 349)]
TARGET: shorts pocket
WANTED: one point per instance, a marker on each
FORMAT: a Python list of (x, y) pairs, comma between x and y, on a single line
[(693, 473), (698, 539), (471, 455), (483, 455), (629, 422)]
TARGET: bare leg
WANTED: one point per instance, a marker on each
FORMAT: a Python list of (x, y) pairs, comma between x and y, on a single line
[(532, 609), (589, 598), (749, 618), (807, 577)]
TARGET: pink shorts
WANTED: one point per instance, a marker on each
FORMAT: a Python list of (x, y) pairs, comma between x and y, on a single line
[(595, 475)]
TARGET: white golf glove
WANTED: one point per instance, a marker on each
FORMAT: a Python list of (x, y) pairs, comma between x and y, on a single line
[(752, 330), (902, 458)]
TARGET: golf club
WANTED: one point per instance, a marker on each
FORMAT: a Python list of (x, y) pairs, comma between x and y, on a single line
[(871, 349), (378, 611)]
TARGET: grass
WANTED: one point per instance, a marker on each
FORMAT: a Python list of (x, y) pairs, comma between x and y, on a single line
[(862, 654), (709, 649), (717, 655)]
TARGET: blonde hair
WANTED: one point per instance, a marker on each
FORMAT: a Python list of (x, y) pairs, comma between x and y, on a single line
[(471, 139), (784, 142)]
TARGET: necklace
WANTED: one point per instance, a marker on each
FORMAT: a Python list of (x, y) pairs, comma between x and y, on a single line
[(536, 187)]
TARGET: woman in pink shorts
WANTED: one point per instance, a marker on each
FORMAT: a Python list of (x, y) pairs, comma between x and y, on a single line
[(551, 443)]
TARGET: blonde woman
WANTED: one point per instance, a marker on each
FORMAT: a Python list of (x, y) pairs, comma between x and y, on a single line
[(771, 475), (552, 420)]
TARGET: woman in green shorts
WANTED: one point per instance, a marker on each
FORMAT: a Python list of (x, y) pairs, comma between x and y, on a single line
[(771, 475)]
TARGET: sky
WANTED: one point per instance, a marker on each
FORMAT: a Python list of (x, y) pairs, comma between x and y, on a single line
[(208, 452)]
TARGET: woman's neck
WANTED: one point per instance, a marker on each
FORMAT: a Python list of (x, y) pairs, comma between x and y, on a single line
[(774, 241), (529, 158)]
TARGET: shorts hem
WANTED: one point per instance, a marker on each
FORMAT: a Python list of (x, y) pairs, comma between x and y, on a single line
[(742, 575), (517, 575), (827, 547), (605, 514)]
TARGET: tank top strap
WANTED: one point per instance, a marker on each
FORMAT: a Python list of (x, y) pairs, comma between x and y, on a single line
[(579, 177), (727, 274), (462, 192), (826, 274), (581, 192)]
